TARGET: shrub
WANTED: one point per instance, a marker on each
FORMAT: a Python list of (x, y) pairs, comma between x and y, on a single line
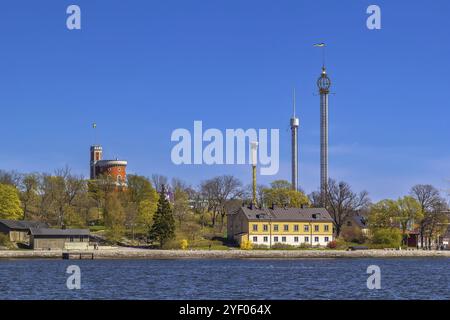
[(246, 245), (332, 244), (260, 247), (353, 234), (5, 242), (184, 244), (387, 237), (305, 245), (283, 246)]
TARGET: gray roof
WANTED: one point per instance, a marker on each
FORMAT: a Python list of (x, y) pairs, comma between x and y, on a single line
[(361, 221), (23, 225), (59, 232), (287, 214)]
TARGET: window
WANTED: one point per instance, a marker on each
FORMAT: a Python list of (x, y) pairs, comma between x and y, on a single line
[(316, 239), (255, 227), (275, 227), (316, 228), (265, 227), (255, 239), (306, 239), (327, 239), (296, 228), (283, 239), (326, 228), (266, 239), (295, 239), (306, 228), (275, 239), (286, 227)]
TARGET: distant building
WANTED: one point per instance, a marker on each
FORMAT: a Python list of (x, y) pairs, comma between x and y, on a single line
[(444, 239), (291, 226), (48, 239), (116, 169), (358, 221), (18, 230)]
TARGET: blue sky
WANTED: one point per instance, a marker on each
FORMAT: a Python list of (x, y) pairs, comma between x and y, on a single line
[(141, 69)]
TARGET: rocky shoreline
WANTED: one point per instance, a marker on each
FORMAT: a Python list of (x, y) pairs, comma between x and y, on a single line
[(128, 253)]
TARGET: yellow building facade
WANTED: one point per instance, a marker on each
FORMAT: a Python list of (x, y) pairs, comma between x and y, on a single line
[(291, 226)]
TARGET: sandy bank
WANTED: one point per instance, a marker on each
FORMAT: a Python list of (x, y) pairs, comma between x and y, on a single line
[(126, 253)]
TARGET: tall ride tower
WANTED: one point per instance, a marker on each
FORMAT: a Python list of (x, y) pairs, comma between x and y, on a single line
[(295, 123), (324, 84)]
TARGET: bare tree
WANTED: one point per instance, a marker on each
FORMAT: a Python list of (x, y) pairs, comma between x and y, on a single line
[(342, 202), (217, 191), (428, 197), (158, 181), (10, 177)]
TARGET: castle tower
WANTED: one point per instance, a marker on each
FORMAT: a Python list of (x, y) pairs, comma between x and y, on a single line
[(96, 155), (324, 84), (295, 123)]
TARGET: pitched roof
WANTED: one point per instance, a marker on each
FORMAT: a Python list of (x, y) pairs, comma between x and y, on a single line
[(59, 232), (287, 214), (23, 225), (361, 221)]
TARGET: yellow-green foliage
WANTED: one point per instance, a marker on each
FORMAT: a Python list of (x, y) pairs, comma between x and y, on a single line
[(10, 203), (5, 242), (389, 238), (281, 194), (246, 245), (184, 244)]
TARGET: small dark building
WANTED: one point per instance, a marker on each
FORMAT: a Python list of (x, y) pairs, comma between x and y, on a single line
[(47, 239), (18, 230)]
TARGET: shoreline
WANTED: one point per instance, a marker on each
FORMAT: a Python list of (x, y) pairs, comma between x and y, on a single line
[(129, 254)]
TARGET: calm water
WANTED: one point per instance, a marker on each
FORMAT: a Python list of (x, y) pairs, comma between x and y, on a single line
[(226, 279)]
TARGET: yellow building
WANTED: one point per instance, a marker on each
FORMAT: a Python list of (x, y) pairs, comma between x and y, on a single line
[(292, 226)]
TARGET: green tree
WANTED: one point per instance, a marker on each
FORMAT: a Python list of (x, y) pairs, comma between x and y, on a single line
[(180, 205), (29, 195), (145, 214), (407, 211), (387, 237), (114, 216), (163, 228), (10, 207), (382, 214), (281, 194)]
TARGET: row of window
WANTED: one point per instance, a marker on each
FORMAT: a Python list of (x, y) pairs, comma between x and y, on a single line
[(326, 228), (296, 239)]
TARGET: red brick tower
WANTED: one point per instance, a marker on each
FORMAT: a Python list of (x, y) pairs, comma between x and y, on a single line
[(116, 169)]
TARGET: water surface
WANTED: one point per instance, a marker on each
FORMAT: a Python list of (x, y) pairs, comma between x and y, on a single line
[(424, 278)]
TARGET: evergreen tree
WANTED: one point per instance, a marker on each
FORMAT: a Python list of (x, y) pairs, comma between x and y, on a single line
[(163, 228)]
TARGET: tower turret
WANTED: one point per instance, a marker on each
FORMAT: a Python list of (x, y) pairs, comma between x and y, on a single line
[(96, 155)]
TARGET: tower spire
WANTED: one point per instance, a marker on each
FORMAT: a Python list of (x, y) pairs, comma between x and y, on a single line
[(323, 84)]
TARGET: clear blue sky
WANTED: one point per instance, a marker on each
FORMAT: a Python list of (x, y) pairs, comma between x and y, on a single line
[(141, 69)]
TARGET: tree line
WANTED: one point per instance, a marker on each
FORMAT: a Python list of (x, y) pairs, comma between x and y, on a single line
[(66, 199)]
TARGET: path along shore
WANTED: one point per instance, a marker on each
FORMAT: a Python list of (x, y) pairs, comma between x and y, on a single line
[(130, 253)]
